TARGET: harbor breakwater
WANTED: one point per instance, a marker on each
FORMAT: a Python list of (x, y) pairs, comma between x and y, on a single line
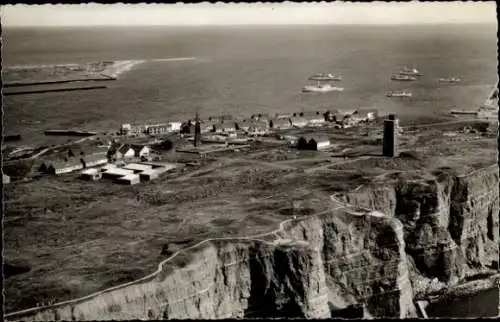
[(381, 246)]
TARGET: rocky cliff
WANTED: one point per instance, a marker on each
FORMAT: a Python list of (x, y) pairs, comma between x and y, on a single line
[(380, 246), (451, 221)]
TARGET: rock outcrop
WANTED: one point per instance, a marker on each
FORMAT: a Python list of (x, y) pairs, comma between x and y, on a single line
[(380, 247), (451, 222)]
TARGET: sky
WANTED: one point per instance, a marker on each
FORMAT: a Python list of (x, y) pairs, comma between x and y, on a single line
[(248, 14)]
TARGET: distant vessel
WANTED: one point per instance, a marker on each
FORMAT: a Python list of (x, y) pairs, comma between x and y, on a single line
[(463, 112), (325, 77), (322, 88), (399, 94), (403, 78), (449, 80), (410, 71)]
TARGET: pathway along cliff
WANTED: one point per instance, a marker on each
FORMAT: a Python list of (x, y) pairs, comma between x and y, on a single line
[(380, 246)]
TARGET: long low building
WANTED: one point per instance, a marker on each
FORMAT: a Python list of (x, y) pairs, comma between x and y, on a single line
[(129, 179), (137, 167), (116, 173), (91, 174)]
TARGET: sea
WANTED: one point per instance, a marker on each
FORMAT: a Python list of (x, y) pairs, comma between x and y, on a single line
[(242, 70)]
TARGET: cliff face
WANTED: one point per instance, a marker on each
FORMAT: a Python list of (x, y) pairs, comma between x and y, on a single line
[(426, 227), (451, 222)]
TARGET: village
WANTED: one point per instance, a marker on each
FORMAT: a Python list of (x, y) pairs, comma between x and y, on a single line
[(140, 153)]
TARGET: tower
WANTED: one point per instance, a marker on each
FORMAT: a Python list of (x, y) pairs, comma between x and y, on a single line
[(197, 131), (390, 141)]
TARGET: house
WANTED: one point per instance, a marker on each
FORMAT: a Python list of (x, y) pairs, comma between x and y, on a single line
[(318, 143), (257, 130), (291, 139), (369, 114), (129, 179), (244, 125), (126, 128), (158, 129), (280, 124), (59, 167), (140, 150), (91, 174), (174, 126), (298, 121), (94, 160), (315, 119), (5, 179), (226, 127), (208, 126), (120, 151), (315, 143)]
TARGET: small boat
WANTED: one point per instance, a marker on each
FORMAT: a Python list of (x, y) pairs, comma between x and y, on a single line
[(325, 77), (410, 71), (322, 88), (464, 112), (449, 80), (403, 78), (399, 94)]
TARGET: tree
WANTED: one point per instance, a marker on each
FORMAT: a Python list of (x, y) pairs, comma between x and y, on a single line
[(271, 124), (301, 114)]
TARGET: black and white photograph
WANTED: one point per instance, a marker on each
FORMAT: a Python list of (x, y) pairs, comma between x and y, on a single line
[(315, 160)]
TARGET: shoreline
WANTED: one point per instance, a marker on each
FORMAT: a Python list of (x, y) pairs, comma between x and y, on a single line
[(84, 71)]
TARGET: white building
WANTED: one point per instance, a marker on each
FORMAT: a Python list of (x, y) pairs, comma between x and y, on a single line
[(61, 167), (174, 126), (120, 151), (91, 174), (298, 121)]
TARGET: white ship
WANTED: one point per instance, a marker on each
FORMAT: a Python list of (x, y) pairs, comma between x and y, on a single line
[(325, 77), (399, 94), (449, 80), (322, 88), (410, 71), (403, 78)]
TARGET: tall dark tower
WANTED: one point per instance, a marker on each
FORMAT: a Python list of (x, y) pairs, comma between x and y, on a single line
[(197, 131), (390, 141)]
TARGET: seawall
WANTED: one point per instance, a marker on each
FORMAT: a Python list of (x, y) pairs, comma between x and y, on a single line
[(383, 245)]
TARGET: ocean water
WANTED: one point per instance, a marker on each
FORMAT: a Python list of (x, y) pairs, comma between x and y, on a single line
[(245, 70), (484, 304)]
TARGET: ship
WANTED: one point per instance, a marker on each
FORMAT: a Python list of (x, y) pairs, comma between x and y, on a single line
[(399, 94), (449, 80), (403, 78), (410, 71), (322, 88), (325, 77)]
